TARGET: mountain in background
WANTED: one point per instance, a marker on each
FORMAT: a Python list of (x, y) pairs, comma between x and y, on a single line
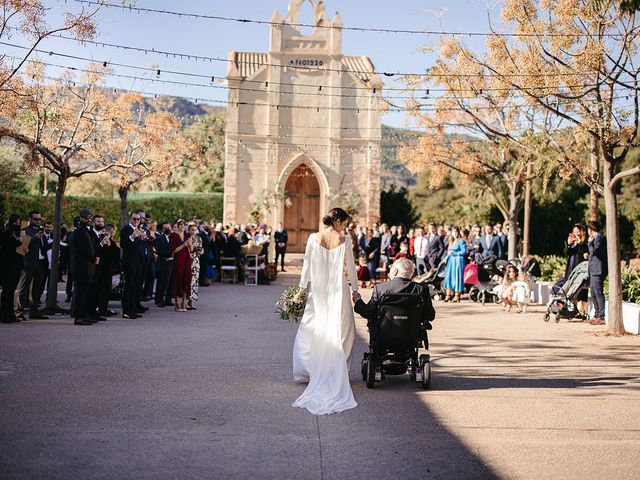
[(180, 107)]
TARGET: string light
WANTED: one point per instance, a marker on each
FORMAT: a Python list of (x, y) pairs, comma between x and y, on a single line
[(189, 56), (147, 10), (319, 87)]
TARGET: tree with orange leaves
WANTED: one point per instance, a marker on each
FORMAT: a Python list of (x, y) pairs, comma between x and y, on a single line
[(577, 62), (62, 128), (479, 133), (28, 20), (146, 145)]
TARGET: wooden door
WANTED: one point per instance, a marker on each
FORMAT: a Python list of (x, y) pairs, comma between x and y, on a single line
[(302, 217)]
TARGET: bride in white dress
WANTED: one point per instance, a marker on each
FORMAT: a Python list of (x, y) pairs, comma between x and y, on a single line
[(323, 345)]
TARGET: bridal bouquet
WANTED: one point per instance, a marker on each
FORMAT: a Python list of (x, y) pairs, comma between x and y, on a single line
[(291, 304)]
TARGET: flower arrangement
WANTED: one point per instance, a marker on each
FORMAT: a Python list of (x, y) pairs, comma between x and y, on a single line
[(291, 304)]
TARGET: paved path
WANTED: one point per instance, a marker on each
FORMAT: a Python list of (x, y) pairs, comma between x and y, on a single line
[(208, 395)]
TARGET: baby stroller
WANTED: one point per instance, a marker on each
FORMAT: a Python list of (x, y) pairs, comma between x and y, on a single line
[(490, 273), (394, 341), (563, 305), (433, 279)]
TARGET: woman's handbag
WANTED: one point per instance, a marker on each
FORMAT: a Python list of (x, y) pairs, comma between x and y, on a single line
[(471, 274)]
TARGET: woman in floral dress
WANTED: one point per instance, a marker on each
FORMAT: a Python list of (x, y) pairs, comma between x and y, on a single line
[(196, 252)]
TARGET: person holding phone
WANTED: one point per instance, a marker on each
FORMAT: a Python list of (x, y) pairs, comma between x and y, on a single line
[(576, 250)]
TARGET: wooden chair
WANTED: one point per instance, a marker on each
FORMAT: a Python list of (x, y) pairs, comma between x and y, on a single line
[(229, 268)]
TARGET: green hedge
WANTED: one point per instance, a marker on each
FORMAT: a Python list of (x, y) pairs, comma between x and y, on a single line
[(204, 206)]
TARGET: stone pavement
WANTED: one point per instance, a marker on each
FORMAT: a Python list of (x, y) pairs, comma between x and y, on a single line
[(207, 394)]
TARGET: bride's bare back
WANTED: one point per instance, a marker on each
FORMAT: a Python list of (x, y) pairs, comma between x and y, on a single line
[(329, 238)]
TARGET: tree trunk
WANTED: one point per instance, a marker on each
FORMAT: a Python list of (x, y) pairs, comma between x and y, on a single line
[(613, 253), (52, 288), (527, 212), (514, 207), (593, 195), (123, 192)]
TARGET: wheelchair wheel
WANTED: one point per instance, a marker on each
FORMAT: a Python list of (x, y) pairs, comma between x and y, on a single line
[(547, 317), (426, 375), (412, 369), (363, 367), (371, 373), (557, 318)]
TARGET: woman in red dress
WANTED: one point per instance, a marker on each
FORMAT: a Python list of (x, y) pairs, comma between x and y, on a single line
[(180, 247)]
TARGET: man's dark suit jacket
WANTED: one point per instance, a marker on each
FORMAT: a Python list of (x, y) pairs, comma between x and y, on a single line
[(132, 252), (281, 237), (111, 258), (82, 255), (598, 256), (396, 285), (37, 246), (493, 249), (373, 247), (435, 250), (362, 244), (232, 248), (504, 246), (161, 245)]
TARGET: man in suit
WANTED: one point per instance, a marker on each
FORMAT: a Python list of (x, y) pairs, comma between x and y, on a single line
[(400, 282), (281, 238), (82, 262), (48, 240), (598, 270), (435, 247), (132, 264), (420, 247), (363, 241), (96, 228), (34, 270), (109, 264), (488, 245), (164, 265), (372, 252), (147, 255), (474, 241), (504, 241)]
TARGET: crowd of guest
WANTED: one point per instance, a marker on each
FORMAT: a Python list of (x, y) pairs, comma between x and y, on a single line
[(450, 249), (167, 262), (378, 246)]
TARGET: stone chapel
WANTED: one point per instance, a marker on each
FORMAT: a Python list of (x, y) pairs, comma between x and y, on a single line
[(303, 128)]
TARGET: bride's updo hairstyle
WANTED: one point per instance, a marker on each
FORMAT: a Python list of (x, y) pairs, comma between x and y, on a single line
[(334, 215)]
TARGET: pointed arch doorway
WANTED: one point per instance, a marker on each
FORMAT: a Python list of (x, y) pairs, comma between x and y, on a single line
[(302, 216)]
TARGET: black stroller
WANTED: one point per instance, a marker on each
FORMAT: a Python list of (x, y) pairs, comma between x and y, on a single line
[(490, 273), (395, 339), (563, 305), (433, 279)]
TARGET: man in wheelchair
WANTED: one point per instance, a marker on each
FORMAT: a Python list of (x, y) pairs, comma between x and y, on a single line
[(398, 316)]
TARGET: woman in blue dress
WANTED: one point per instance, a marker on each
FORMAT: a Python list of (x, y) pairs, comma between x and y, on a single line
[(454, 272)]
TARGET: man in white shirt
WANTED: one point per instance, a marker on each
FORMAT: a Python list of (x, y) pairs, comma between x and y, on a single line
[(420, 247)]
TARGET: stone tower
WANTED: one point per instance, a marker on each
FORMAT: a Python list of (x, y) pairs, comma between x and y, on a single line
[(303, 128)]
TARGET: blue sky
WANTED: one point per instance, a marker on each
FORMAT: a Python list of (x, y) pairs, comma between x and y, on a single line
[(389, 52)]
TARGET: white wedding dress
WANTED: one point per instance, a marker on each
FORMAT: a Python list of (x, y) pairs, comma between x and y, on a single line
[(323, 345)]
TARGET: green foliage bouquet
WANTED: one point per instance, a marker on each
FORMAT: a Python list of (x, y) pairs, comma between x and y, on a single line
[(291, 304)]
